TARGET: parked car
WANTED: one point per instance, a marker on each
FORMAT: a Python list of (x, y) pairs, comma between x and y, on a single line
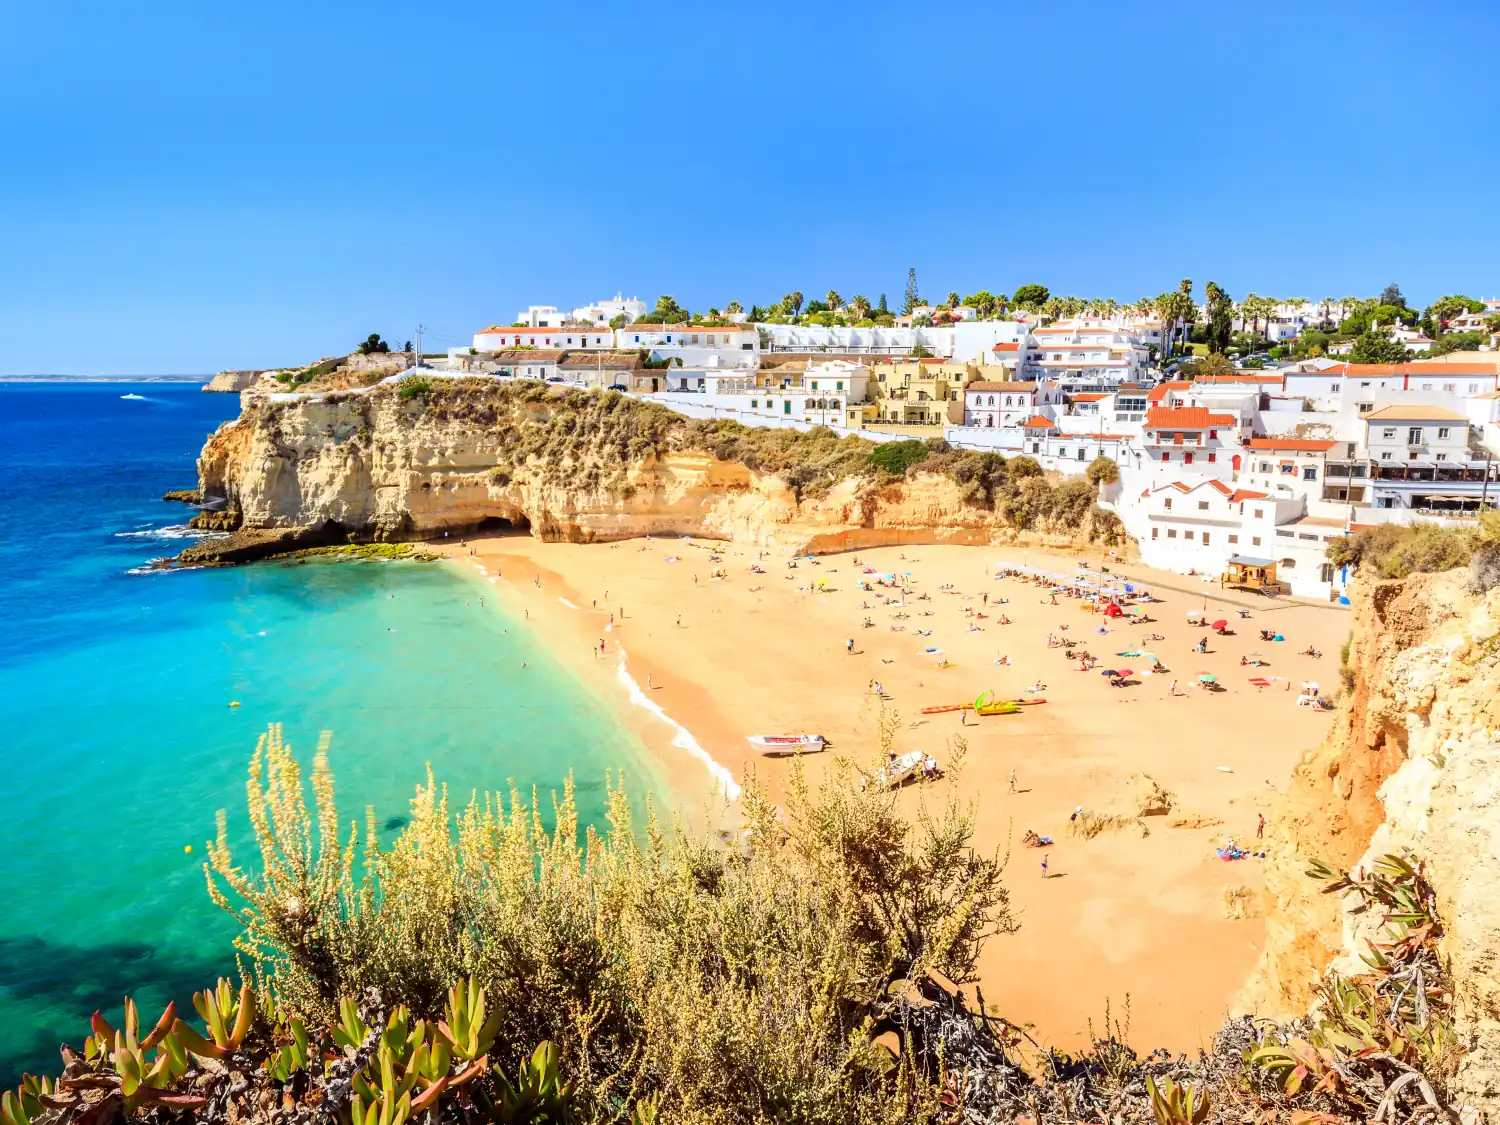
[(618, 387)]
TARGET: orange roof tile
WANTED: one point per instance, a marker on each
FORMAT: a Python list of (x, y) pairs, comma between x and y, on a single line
[(1006, 348), (1246, 494), (990, 385), (1302, 445), (1087, 398), (1185, 418), (1039, 423), (1159, 391)]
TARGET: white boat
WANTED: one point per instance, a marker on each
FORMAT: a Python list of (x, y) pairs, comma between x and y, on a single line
[(772, 744), (902, 770)]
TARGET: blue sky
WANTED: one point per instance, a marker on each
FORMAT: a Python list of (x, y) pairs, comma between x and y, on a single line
[(186, 187)]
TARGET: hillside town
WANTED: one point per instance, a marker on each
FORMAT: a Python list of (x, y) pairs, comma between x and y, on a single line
[(1244, 436)]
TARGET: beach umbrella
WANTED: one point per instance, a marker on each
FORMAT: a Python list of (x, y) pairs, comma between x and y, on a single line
[(1109, 672), (1145, 654), (1123, 672), (1207, 678), (1220, 624)]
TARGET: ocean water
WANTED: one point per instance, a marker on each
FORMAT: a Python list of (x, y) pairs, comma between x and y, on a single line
[(117, 741)]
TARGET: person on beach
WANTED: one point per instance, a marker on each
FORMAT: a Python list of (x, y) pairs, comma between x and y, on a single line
[(648, 681), (1172, 689), (1044, 865), (679, 621), (1012, 781), (849, 646), (1260, 826)]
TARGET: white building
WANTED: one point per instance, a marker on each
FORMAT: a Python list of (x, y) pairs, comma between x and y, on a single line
[(832, 393), (991, 404), (496, 338), (602, 312), (1192, 438), (876, 340), (693, 345), (977, 341), (1085, 356)]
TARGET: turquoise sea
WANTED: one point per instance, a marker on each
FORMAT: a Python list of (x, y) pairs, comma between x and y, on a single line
[(117, 741)]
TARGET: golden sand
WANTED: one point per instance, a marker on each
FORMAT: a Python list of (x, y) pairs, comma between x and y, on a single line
[(1139, 911)]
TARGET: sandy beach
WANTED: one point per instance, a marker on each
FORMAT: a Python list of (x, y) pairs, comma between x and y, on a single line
[(1115, 916)]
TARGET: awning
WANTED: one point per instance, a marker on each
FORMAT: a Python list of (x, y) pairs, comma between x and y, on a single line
[(1241, 560)]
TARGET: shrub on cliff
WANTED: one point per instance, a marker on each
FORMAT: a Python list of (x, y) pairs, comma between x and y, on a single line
[(894, 458), (739, 978), (1102, 470), (1393, 550)]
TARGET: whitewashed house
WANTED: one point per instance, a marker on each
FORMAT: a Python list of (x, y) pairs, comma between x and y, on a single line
[(497, 339), (991, 404)]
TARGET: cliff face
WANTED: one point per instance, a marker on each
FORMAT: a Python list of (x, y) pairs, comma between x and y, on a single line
[(232, 382), (1413, 763), (376, 466)]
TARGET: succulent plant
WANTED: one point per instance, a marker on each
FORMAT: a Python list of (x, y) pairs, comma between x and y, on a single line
[(466, 1029), (228, 1021)]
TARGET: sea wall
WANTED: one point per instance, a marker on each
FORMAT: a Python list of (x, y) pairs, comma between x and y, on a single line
[(379, 467), (1412, 763)]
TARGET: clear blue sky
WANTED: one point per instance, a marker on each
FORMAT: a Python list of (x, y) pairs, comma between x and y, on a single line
[(196, 186)]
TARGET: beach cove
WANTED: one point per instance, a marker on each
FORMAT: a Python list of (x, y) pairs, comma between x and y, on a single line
[(1121, 915)]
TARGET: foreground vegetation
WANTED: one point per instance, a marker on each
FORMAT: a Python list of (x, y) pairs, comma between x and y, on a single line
[(487, 968), (1393, 550)]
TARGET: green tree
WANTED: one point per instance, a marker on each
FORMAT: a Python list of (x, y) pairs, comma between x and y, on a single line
[(894, 458), (1102, 470), (982, 303), (1391, 295), (834, 300), (373, 345), (881, 308), (859, 305), (952, 301), (734, 307), (1220, 316), (913, 298), (1030, 297), (792, 302), (667, 311), (619, 320), (1377, 346)]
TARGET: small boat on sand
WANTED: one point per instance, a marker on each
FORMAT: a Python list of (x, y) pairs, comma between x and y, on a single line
[(773, 744)]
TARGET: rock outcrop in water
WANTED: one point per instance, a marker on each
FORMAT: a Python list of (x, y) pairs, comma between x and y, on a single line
[(1412, 763), (470, 455)]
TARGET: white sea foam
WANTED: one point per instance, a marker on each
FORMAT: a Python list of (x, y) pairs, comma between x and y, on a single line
[(152, 568), (172, 531), (567, 603), (682, 738)]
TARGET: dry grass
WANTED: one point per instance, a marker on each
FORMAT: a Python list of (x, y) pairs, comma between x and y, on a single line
[(1194, 820)]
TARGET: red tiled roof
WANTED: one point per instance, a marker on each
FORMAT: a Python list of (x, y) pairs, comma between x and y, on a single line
[(1088, 398), (1039, 423), (1219, 486), (990, 385), (1301, 445), (1006, 348), (1159, 391), (1239, 379), (1185, 418), (1246, 494)]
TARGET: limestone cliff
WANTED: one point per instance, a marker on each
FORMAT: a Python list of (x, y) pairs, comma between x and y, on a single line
[(232, 382), (1413, 762), (564, 465)]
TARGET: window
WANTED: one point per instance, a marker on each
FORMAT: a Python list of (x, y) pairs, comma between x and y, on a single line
[(1309, 472), (1205, 539), (1260, 514), (1234, 539), (1442, 433), (1265, 466), (1389, 433), (786, 407), (1187, 458), (1153, 532), (1287, 468), (1333, 389), (839, 385), (1386, 456), (1450, 387), (1473, 388), (1212, 457), (1364, 407), (1080, 453), (1213, 433), (1203, 505), (1442, 457), (1414, 435), (814, 384), (1166, 456), (1171, 533), (1187, 534), (1255, 542), (1169, 503), (1427, 386)]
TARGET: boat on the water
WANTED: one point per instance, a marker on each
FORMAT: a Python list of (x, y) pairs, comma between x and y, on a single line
[(772, 744)]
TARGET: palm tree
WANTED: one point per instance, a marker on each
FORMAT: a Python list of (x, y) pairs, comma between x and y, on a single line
[(734, 307), (859, 305), (835, 302), (952, 301), (1002, 302)]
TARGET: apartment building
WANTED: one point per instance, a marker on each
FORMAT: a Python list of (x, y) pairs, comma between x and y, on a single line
[(496, 338), (997, 405), (1084, 356)]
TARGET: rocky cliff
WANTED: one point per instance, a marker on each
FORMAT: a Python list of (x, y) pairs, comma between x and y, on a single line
[(232, 382), (467, 455), (1413, 763)]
